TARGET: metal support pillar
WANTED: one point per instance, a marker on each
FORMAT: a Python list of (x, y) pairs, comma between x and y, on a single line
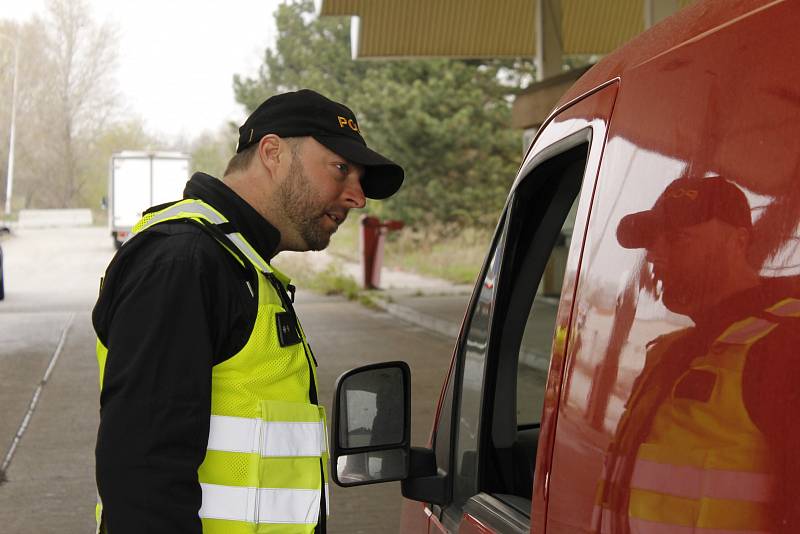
[(549, 48), (12, 129), (657, 10)]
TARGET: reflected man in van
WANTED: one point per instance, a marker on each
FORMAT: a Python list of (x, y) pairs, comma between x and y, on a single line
[(708, 437)]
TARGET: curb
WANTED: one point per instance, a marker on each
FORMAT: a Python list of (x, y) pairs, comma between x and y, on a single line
[(434, 324)]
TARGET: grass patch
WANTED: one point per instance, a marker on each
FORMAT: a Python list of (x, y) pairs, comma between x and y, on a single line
[(456, 256), (329, 281)]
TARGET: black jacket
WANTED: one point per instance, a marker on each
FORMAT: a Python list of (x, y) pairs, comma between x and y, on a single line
[(173, 304)]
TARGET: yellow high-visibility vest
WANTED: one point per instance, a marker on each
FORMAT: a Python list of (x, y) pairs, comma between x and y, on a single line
[(703, 465), (265, 468)]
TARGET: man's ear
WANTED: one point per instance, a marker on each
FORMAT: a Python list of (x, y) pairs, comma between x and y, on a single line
[(269, 152)]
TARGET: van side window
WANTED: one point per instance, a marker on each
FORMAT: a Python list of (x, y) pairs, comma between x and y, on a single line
[(542, 226), (476, 333), (473, 358), (504, 362), (537, 339)]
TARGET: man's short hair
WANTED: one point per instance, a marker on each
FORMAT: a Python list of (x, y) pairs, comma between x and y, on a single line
[(241, 161)]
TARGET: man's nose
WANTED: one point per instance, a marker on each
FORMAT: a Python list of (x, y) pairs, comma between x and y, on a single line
[(354, 194)]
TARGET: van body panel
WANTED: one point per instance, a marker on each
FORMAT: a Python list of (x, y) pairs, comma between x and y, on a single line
[(470, 525), (414, 517), (688, 24), (436, 527)]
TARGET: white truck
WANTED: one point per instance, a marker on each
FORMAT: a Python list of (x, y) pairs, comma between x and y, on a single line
[(138, 180)]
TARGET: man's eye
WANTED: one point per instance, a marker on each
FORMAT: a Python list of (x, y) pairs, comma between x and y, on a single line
[(343, 168)]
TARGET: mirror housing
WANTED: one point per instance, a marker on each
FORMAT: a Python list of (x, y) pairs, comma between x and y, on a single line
[(371, 426), (371, 437), (424, 482)]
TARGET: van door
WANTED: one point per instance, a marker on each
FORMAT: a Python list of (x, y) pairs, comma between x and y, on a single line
[(496, 421)]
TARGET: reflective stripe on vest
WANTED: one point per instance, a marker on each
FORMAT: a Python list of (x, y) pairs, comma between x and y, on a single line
[(268, 438), (185, 209), (196, 209), (250, 252), (273, 505)]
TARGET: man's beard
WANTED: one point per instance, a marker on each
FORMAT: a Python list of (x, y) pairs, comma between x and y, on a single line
[(298, 201)]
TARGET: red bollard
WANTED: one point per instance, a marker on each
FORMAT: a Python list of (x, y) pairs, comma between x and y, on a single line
[(370, 235), (373, 236)]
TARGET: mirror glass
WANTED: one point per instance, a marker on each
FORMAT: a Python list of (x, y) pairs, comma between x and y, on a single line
[(372, 466), (372, 409)]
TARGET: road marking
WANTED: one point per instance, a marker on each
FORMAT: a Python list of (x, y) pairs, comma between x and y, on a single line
[(35, 400)]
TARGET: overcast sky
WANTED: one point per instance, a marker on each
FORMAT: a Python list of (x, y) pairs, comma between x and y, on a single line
[(177, 57)]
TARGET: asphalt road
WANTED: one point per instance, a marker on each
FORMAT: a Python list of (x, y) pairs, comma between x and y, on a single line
[(48, 382)]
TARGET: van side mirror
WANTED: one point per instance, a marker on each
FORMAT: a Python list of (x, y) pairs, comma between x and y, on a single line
[(372, 424)]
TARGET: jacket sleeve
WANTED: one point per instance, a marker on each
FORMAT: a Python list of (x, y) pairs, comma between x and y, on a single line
[(155, 316)]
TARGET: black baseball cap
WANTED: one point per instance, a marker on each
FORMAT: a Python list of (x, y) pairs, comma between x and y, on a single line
[(308, 113), (685, 202)]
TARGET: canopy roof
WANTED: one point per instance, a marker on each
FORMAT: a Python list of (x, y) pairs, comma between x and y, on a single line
[(477, 28)]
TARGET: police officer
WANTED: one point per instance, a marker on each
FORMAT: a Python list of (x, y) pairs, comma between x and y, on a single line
[(209, 415)]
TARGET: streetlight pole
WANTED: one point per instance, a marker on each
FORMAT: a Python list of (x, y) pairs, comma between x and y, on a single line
[(12, 131)]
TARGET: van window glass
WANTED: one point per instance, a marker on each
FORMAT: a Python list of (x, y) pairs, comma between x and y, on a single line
[(444, 427), (537, 339), (473, 362), (502, 366), (542, 222), (443, 435), (540, 231)]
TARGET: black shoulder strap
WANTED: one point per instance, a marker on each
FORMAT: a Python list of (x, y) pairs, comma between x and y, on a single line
[(217, 233)]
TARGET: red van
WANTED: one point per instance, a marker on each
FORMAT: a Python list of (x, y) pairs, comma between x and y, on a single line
[(630, 358)]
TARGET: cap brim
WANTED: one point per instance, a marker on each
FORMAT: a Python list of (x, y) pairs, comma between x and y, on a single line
[(382, 177), (639, 230)]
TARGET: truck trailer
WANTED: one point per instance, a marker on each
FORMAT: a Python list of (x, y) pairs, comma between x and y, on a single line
[(138, 180)]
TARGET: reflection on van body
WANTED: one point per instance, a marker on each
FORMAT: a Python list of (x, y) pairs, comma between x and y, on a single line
[(680, 395), (692, 448)]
